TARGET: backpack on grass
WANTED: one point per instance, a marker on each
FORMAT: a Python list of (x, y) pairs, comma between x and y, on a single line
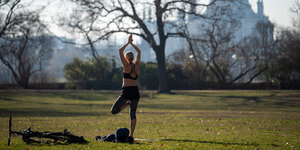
[(121, 136)]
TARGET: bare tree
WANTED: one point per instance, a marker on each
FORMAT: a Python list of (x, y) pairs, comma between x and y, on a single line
[(125, 16), (228, 59), (296, 15), (260, 49), (218, 49), (24, 46), (214, 45), (7, 8)]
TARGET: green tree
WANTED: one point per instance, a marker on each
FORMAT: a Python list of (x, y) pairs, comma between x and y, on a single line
[(148, 75), (82, 71), (115, 73), (285, 73), (176, 77)]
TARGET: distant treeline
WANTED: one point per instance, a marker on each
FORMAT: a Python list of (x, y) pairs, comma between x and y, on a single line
[(116, 85), (85, 74), (181, 74)]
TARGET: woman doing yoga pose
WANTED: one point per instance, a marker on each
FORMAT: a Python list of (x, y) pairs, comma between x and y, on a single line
[(130, 92)]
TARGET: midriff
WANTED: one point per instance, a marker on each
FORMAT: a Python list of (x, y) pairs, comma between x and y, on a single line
[(129, 82)]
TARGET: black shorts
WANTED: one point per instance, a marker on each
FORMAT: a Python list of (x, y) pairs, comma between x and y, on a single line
[(130, 92)]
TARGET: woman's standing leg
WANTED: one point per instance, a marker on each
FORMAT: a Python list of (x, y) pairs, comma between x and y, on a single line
[(132, 125), (133, 107)]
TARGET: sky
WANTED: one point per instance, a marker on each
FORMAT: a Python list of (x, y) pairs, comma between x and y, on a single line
[(278, 11)]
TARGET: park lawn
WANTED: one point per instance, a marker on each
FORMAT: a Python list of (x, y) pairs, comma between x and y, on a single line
[(182, 120)]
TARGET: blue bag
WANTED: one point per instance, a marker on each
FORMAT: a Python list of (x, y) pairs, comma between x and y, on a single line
[(122, 135)]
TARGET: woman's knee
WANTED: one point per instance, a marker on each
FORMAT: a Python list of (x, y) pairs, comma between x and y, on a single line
[(132, 113), (115, 110), (132, 116), (133, 108)]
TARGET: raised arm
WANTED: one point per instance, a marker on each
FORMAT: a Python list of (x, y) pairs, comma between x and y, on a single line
[(138, 57), (121, 53)]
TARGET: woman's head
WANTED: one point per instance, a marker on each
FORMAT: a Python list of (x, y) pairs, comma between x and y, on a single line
[(129, 56)]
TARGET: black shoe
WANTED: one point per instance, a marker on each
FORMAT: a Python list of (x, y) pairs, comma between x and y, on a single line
[(130, 140)]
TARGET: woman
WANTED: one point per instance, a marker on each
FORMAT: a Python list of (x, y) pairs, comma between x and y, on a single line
[(130, 92)]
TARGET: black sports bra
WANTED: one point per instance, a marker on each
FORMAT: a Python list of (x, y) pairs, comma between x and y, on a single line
[(128, 75)]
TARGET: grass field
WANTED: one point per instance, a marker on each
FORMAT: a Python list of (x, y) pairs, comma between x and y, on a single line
[(182, 120)]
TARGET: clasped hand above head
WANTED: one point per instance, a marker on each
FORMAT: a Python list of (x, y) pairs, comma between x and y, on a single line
[(130, 39)]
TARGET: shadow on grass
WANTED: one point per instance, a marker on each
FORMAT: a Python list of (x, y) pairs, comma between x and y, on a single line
[(66, 95), (272, 99), (82, 96), (46, 113), (45, 103), (245, 98), (9, 99), (212, 142)]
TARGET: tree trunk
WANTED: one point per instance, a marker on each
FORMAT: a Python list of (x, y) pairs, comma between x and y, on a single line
[(163, 84), (23, 83)]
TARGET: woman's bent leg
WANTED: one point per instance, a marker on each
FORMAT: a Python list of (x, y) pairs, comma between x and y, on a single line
[(116, 108), (125, 105)]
